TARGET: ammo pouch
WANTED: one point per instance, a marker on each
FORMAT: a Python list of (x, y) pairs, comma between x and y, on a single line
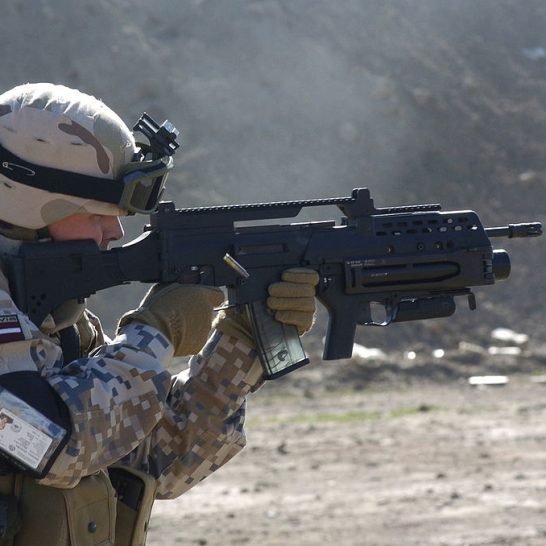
[(135, 497), (82, 516)]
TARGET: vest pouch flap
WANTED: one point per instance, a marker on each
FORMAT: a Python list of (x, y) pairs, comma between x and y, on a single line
[(91, 511), (135, 495), (82, 516)]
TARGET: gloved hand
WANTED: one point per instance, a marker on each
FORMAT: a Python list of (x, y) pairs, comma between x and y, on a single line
[(181, 312), (90, 332), (292, 299)]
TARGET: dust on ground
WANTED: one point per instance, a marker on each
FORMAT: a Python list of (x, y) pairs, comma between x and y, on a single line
[(400, 461)]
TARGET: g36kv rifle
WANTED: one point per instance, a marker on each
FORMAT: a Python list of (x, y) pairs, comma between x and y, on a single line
[(410, 260)]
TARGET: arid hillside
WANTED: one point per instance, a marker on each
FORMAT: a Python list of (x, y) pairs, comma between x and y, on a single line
[(419, 100)]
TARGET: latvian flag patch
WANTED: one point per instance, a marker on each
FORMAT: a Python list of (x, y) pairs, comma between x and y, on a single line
[(10, 329)]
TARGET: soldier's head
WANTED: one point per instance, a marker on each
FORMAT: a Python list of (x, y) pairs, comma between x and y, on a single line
[(66, 157)]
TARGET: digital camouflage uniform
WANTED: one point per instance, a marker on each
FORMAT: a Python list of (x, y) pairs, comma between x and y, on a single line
[(126, 408)]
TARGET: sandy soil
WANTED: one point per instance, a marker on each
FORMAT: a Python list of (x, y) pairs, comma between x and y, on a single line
[(429, 464)]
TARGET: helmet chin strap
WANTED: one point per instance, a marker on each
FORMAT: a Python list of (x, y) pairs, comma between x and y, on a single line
[(23, 234)]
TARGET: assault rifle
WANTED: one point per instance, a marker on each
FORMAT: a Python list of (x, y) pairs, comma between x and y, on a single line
[(412, 261)]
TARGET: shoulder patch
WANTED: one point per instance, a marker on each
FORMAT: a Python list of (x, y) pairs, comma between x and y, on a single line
[(10, 329)]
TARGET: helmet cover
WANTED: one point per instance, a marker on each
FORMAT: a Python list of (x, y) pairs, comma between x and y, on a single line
[(55, 126)]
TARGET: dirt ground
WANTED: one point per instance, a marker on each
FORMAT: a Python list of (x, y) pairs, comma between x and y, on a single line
[(425, 463)]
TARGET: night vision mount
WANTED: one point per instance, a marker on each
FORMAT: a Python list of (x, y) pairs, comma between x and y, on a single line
[(161, 138)]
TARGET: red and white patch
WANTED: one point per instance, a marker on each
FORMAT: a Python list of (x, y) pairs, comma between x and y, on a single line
[(10, 329)]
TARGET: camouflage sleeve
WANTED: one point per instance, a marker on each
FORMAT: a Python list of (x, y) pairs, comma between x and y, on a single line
[(115, 398), (123, 403), (202, 427)]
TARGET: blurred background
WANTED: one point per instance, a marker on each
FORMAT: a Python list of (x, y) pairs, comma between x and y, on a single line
[(422, 101)]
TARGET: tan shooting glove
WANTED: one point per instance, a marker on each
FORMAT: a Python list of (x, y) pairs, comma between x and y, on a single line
[(292, 299), (90, 332), (181, 312)]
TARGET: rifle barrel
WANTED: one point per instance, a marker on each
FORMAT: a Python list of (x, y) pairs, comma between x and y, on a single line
[(512, 231)]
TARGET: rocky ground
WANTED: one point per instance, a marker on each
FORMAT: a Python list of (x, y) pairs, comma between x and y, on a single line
[(412, 462), (383, 450)]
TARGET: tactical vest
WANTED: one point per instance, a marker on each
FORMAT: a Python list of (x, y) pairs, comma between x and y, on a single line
[(110, 508), (105, 509)]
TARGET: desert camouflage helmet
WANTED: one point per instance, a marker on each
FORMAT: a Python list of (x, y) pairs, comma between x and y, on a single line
[(60, 128)]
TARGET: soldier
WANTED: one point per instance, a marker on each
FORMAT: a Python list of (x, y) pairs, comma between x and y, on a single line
[(108, 429)]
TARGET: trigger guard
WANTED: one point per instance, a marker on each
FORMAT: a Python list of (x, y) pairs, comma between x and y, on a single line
[(391, 310)]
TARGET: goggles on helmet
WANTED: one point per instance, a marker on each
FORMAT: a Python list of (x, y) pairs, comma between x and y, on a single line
[(137, 189)]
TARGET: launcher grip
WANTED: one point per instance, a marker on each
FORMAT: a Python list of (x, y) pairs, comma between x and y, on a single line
[(340, 335)]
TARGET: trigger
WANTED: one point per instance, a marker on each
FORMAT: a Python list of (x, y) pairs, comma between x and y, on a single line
[(381, 314), (364, 316)]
